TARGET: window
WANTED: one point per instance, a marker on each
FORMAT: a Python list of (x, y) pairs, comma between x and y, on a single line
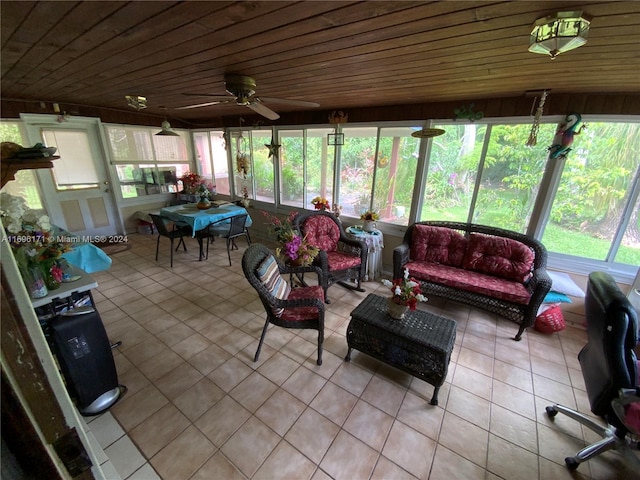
[(595, 209), (253, 167), (25, 184), (306, 166), (147, 164), (357, 163), (211, 154), (75, 168)]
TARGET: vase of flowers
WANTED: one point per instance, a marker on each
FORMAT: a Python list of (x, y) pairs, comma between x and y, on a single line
[(193, 184), (34, 245), (321, 203), (204, 202), (406, 294), (369, 220), (293, 248)]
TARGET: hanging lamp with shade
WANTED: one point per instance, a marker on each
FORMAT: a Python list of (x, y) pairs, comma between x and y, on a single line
[(559, 33), (166, 130)]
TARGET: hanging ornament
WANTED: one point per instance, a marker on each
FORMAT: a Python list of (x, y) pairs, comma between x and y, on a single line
[(533, 136), (273, 148)]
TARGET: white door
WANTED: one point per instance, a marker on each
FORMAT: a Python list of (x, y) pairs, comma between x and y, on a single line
[(76, 192)]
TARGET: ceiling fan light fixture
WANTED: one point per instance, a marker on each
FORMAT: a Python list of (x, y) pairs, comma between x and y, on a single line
[(167, 131), (559, 33)]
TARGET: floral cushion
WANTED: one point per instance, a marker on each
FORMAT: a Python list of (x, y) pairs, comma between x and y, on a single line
[(342, 261), (438, 245), (322, 232), (499, 256), (477, 282), (303, 313), (269, 274)]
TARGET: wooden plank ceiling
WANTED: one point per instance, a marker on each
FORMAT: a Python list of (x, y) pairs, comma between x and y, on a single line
[(340, 54)]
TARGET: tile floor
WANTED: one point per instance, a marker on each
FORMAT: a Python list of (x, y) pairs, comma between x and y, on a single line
[(199, 408)]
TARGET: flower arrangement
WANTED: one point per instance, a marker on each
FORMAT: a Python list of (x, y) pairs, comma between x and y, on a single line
[(192, 183), (293, 247), (29, 232), (321, 203), (369, 216), (406, 291)]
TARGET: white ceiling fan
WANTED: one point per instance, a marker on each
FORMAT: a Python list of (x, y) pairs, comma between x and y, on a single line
[(243, 89)]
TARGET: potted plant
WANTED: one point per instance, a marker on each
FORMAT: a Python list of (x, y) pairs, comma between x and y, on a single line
[(369, 217), (406, 294), (293, 248)]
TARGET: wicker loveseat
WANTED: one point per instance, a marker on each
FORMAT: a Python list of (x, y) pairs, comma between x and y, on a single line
[(498, 270)]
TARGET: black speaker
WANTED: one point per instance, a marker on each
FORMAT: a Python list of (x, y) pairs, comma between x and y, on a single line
[(83, 350)]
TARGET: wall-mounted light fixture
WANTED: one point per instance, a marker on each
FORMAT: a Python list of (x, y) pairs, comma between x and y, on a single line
[(559, 33)]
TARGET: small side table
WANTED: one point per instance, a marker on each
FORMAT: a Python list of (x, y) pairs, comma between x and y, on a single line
[(375, 244)]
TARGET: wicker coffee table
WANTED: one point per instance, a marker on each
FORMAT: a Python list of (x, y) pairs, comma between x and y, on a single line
[(419, 344)]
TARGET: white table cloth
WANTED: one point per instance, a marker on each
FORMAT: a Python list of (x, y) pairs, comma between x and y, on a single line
[(375, 244)]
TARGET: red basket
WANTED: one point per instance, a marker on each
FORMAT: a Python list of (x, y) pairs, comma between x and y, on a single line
[(550, 321)]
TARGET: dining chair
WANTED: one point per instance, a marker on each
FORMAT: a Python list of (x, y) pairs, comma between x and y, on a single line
[(177, 231), (236, 227), (300, 307)]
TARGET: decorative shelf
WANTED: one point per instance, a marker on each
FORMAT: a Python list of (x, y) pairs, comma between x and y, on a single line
[(10, 166)]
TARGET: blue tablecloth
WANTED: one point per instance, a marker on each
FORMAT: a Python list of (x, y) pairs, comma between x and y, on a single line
[(88, 257), (199, 219)]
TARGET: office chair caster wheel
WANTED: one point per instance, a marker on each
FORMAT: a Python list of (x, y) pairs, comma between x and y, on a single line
[(551, 412), (572, 463)]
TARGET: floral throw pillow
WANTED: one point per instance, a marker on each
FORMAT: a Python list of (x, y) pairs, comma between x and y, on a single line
[(438, 245), (322, 232), (269, 275)]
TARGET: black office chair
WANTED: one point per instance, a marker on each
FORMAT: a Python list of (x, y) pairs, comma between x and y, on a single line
[(177, 231), (237, 227), (609, 368)]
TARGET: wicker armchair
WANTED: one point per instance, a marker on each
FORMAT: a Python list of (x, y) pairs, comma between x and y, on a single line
[(304, 307), (340, 258)]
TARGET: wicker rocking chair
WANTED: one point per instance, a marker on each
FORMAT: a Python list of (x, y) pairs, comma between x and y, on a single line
[(340, 257), (301, 307)]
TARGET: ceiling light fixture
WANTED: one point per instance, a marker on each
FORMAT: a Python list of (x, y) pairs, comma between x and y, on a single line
[(559, 33), (136, 101), (167, 130)]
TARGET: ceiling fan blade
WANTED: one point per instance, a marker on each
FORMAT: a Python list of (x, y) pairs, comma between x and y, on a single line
[(218, 97), (198, 105), (284, 101), (263, 110)]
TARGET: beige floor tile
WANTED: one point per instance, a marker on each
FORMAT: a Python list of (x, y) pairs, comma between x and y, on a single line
[(469, 406), (514, 399), (513, 375), (387, 470), (476, 361), (352, 378), (250, 446), (190, 346), (369, 424), (304, 384), (146, 472), (218, 467), (207, 360), (447, 465), (106, 429), (198, 398), (514, 428), (349, 458), (465, 439), (222, 420), (230, 374), (334, 402), (384, 395), (473, 381), (511, 461), (312, 434), (278, 368), (178, 380), (160, 365), (159, 429), (549, 369), (181, 458), (134, 409), (402, 445), (253, 391), (280, 411), (416, 412), (285, 462), (124, 456)]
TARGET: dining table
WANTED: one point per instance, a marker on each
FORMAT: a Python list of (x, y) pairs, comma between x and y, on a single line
[(200, 220)]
